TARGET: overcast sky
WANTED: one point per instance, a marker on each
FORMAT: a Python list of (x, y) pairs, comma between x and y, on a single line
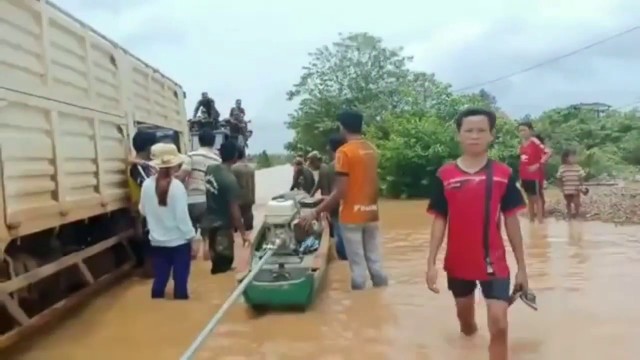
[(254, 49)]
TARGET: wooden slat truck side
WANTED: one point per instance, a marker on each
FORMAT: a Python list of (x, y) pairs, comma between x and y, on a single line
[(69, 100)]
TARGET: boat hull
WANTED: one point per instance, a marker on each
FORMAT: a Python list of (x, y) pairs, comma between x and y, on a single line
[(307, 274)]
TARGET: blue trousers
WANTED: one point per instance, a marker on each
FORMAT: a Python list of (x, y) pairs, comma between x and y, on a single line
[(172, 261), (341, 251)]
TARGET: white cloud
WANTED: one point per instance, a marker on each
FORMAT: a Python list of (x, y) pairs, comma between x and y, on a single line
[(254, 50)]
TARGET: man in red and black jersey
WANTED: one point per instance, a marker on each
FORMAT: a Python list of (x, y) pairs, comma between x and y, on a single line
[(470, 195), (533, 156)]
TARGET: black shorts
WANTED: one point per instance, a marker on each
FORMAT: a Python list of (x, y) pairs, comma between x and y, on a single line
[(494, 289), (531, 187), (246, 212)]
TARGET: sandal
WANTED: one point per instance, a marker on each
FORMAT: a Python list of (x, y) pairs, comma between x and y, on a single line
[(527, 297)]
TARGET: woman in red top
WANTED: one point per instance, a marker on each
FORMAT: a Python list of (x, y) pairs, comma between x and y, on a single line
[(533, 156), (542, 179)]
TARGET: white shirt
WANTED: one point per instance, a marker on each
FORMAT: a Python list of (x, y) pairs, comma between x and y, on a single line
[(168, 225)]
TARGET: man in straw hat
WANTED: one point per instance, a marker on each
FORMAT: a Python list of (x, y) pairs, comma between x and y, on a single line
[(163, 201), (223, 210)]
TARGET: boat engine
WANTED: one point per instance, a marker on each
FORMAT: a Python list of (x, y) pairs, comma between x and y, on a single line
[(283, 230)]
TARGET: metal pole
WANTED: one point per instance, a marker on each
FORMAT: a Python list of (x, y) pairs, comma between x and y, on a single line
[(188, 355)]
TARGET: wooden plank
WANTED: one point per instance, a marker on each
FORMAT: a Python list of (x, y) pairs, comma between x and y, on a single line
[(89, 65), (14, 309), (4, 232), (63, 307), (85, 272), (42, 272), (46, 45), (61, 194), (98, 146)]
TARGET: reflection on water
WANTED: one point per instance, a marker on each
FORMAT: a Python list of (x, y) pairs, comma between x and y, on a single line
[(585, 274)]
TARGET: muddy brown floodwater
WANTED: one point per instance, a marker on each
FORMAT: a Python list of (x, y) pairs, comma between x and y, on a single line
[(586, 276)]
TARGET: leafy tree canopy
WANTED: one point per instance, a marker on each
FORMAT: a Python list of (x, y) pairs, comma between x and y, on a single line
[(408, 116)]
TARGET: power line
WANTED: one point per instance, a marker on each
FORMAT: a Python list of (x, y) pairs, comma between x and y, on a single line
[(549, 61)]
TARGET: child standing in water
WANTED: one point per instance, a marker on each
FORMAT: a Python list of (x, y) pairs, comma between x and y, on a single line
[(570, 176), (470, 195), (533, 156)]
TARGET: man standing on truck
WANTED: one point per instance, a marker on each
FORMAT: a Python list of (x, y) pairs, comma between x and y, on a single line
[(237, 110), (209, 106), (223, 210), (139, 171), (192, 174)]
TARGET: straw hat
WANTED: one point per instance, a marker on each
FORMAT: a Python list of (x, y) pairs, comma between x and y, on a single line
[(165, 155)]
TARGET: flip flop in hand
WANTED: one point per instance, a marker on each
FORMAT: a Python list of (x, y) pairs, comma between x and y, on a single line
[(527, 297)]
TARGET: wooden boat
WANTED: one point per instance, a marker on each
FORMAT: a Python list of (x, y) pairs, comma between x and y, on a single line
[(289, 279)]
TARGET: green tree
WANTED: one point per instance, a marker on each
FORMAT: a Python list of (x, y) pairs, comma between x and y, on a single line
[(408, 116), (357, 71), (263, 160)]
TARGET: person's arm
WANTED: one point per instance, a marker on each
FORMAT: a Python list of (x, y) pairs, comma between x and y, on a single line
[(439, 208), (180, 208), (295, 184), (546, 151), (185, 170), (511, 203), (559, 177), (142, 201), (234, 194), (582, 175), (340, 185), (198, 106)]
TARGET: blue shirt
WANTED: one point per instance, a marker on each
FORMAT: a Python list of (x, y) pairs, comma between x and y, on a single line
[(168, 225)]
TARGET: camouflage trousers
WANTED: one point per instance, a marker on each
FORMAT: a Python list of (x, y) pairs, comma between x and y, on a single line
[(221, 245)]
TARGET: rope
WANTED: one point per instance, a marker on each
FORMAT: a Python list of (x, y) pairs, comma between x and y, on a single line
[(189, 354)]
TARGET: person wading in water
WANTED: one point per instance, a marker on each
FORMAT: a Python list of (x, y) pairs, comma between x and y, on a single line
[(223, 210), (192, 173), (356, 186), (302, 177), (469, 196), (163, 202), (246, 176), (533, 156), (328, 176), (140, 169)]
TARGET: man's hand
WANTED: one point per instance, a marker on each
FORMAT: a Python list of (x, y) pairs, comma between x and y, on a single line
[(307, 219), (432, 279), (533, 168), (521, 281)]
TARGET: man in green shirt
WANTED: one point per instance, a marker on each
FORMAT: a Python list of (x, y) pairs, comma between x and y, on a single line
[(302, 177), (223, 209), (323, 182), (246, 176), (335, 142)]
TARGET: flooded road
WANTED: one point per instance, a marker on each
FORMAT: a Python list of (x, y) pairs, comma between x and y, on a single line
[(586, 276)]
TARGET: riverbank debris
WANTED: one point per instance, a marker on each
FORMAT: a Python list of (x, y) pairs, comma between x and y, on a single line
[(612, 204)]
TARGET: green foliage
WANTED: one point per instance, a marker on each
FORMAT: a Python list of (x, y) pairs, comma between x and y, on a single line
[(608, 143), (265, 160), (408, 116)]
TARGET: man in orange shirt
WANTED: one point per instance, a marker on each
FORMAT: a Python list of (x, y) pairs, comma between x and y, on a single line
[(356, 187)]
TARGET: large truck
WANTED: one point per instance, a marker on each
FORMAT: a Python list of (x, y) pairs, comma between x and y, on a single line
[(70, 99)]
